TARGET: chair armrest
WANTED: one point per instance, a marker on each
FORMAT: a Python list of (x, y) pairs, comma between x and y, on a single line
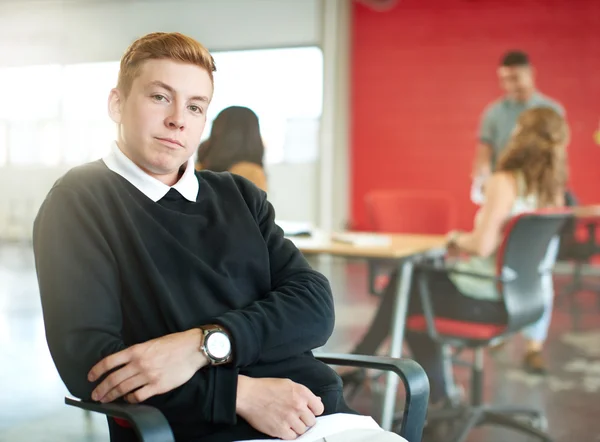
[(413, 377), (149, 424)]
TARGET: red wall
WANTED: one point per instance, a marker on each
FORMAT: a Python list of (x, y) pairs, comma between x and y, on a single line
[(423, 72)]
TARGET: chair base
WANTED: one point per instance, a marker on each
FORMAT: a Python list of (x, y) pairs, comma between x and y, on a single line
[(456, 423)]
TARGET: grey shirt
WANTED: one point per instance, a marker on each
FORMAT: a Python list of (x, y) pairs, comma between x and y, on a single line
[(500, 118)]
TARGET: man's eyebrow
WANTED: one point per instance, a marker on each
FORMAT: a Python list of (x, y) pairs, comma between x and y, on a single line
[(171, 90)]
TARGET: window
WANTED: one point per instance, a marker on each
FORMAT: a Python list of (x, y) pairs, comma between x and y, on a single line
[(87, 129), (31, 94), (23, 143), (285, 89), (33, 97), (54, 114), (3, 143)]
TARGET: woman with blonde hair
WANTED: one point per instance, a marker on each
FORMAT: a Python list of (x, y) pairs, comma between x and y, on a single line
[(531, 175), (535, 167)]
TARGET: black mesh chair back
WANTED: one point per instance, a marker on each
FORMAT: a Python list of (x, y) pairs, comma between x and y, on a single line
[(524, 259)]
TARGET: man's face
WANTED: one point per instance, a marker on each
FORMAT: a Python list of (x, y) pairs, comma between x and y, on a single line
[(516, 81), (162, 119)]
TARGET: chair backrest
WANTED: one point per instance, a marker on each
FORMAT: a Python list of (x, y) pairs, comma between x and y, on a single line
[(414, 211), (525, 257)]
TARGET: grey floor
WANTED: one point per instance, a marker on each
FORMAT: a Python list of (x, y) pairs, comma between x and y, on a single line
[(31, 393)]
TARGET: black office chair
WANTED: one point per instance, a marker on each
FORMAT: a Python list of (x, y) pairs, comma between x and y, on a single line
[(150, 425), (522, 262)]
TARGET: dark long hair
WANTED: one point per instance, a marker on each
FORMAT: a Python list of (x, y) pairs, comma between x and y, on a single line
[(235, 137)]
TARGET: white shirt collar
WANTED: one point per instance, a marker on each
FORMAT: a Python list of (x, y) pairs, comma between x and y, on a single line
[(154, 189)]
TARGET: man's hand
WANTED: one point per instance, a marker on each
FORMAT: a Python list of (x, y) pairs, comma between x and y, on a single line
[(481, 171), (482, 165), (148, 369), (277, 407)]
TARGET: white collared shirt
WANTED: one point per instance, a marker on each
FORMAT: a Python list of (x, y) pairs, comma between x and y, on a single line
[(154, 189)]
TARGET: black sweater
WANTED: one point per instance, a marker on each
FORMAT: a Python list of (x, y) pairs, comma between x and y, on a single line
[(116, 269)]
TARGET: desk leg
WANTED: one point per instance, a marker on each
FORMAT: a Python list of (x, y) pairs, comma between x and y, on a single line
[(397, 335)]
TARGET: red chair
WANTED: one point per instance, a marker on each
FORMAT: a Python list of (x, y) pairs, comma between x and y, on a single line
[(522, 262), (410, 211), (406, 211), (580, 244)]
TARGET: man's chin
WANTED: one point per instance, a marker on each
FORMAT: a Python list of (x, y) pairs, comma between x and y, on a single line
[(520, 97), (163, 168), (166, 164)]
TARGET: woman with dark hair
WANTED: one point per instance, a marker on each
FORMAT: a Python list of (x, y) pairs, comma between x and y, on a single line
[(531, 174), (235, 146)]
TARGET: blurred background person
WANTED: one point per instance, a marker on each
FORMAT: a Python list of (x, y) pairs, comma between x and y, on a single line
[(517, 80), (531, 174), (546, 124), (235, 145)]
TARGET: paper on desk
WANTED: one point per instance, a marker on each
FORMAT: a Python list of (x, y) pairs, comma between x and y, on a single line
[(335, 423), (295, 228), (362, 239)]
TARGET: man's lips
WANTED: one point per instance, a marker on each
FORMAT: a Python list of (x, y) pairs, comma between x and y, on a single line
[(170, 141)]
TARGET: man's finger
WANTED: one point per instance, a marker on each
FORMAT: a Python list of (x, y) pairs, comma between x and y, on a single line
[(108, 363), (287, 434), (141, 395), (125, 388), (112, 380), (316, 405), (298, 426), (308, 418)]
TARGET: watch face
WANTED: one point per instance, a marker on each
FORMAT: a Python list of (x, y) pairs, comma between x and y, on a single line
[(218, 345)]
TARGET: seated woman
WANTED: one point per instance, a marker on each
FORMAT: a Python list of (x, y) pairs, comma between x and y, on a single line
[(235, 146), (531, 174)]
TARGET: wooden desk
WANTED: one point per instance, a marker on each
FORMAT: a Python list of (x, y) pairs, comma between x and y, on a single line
[(583, 212), (402, 248)]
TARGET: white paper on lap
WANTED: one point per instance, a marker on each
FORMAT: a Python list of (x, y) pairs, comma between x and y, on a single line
[(333, 424)]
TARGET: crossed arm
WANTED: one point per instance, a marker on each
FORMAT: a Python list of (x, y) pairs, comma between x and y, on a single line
[(79, 285)]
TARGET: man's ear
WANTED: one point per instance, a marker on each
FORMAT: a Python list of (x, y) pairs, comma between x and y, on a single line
[(115, 105)]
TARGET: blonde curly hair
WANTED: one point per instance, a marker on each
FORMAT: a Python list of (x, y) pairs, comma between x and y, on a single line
[(537, 150)]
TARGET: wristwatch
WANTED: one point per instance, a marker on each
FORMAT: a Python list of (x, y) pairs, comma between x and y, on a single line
[(216, 344)]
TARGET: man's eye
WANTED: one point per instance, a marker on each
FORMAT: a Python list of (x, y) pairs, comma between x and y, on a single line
[(159, 97)]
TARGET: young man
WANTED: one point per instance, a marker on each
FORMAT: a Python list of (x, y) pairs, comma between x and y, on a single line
[(175, 288), (516, 76)]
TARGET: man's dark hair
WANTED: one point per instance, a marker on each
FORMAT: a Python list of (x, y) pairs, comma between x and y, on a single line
[(515, 58)]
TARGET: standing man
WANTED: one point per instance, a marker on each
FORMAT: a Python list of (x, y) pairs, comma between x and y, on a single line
[(517, 79)]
